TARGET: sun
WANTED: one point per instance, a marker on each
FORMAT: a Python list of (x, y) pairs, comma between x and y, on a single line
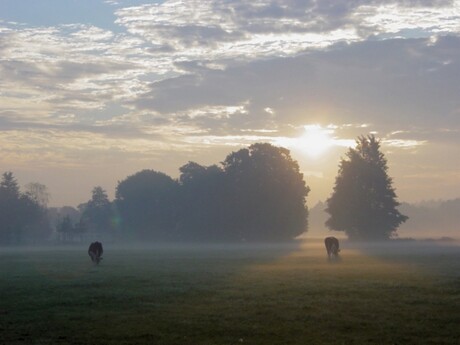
[(315, 141)]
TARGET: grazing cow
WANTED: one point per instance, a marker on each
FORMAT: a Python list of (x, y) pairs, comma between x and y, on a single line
[(332, 247), (95, 251)]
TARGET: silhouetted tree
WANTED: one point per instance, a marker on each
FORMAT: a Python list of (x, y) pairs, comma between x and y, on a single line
[(10, 220), (70, 231), (267, 194), (65, 229), (97, 213), (202, 202), (147, 204), (37, 198), (9, 186), (363, 203), (57, 214), (257, 195), (22, 218)]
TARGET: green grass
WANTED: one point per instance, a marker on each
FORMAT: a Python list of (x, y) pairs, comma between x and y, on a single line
[(230, 295)]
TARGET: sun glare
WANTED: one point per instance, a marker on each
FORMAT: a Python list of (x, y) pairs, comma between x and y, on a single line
[(315, 141)]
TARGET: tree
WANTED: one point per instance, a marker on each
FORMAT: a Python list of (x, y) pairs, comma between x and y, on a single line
[(266, 194), (147, 203), (201, 202), (97, 213), (65, 228), (363, 203), (22, 217), (57, 214), (10, 220), (70, 231), (257, 194), (38, 197), (9, 187), (38, 193)]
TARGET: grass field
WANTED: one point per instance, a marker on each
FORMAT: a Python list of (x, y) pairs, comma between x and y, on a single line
[(215, 294)]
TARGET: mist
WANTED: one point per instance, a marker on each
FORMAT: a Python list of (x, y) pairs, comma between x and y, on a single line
[(430, 220)]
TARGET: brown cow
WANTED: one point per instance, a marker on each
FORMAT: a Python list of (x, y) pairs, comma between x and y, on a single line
[(95, 252), (332, 247)]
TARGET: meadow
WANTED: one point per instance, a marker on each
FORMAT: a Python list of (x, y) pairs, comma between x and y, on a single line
[(234, 294)]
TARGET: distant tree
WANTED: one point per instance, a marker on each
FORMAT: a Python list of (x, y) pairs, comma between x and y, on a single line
[(57, 214), (65, 225), (38, 198), (10, 218), (9, 186), (22, 218), (65, 229), (97, 213), (38, 193), (37, 227), (266, 194), (147, 204), (69, 231), (363, 203), (201, 202)]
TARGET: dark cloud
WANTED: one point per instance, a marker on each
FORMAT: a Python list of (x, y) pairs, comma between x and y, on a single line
[(391, 83)]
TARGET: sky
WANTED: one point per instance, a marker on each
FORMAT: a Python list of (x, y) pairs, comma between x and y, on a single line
[(93, 91)]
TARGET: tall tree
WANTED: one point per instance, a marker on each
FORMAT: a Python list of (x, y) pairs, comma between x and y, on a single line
[(363, 203), (97, 213), (22, 218), (9, 187), (35, 199), (10, 220), (267, 194), (202, 202), (147, 203)]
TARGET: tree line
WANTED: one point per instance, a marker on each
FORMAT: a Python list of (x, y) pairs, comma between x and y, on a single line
[(256, 194), (22, 215)]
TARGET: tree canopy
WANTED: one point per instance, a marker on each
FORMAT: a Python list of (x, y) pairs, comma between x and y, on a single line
[(363, 203), (22, 217), (267, 197), (257, 194), (97, 216), (147, 203), (202, 202)]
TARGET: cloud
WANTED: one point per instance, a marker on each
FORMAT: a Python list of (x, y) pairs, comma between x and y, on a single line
[(391, 83), (58, 70), (224, 29), (231, 29), (423, 19), (194, 46)]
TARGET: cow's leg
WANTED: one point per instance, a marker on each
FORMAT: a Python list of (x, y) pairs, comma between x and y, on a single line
[(93, 256), (334, 250)]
